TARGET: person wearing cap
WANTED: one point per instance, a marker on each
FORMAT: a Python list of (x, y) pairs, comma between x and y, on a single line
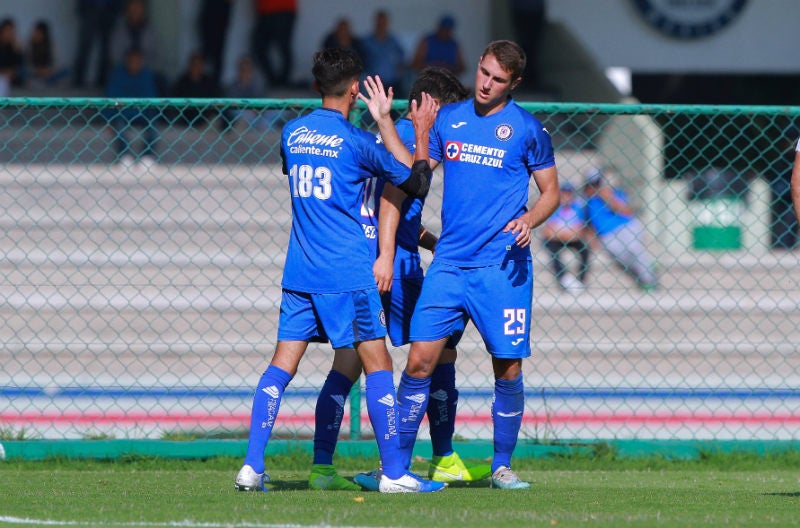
[(440, 48), (567, 228), (620, 232)]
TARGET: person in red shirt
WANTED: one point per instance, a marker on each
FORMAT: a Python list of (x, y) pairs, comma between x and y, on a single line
[(273, 28)]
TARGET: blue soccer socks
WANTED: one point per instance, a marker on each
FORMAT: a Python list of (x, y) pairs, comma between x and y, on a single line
[(412, 401), (266, 403), (442, 404), (507, 409), (382, 409), (328, 416)]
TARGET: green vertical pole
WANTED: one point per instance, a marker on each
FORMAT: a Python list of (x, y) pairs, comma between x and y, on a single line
[(355, 410)]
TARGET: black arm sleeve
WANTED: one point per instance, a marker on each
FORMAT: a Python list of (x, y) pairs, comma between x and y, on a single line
[(419, 183)]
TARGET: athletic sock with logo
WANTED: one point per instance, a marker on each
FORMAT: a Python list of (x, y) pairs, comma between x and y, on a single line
[(328, 415), (412, 401), (266, 403), (442, 404), (382, 409), (509, 403)]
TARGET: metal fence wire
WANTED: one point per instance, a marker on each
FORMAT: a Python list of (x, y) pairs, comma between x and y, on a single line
[(139, 293)]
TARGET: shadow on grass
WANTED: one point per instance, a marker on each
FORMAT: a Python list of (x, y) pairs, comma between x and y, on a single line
[(784, 494)]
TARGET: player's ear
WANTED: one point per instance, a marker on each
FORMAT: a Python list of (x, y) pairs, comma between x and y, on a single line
[(354, 89), (516, 82)]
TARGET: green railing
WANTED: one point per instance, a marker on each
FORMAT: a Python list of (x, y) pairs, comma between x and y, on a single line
[(139, 296)]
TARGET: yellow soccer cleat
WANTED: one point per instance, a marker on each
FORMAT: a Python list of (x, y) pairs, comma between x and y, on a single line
[(451, 468), (324, 477)]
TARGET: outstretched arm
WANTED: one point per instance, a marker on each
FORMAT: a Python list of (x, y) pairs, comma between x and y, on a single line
[(423, 116), (379, 104)]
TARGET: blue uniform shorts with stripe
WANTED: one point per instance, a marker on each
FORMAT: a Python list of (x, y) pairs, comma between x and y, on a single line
[(497, 299), (341, 318)]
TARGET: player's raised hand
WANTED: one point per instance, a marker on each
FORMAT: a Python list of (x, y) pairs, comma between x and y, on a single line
[(423, 114), (378, 100)]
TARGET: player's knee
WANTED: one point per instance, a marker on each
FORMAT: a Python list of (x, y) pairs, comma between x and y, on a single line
[(420, 365)]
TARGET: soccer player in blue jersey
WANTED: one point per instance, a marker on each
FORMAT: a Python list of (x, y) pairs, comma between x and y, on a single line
[(489, 148), (328, 291), (398, 272)]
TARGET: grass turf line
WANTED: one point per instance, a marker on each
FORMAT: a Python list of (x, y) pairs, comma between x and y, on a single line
[(717, 490)]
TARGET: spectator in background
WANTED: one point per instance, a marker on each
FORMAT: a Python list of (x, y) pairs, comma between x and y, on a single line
[(567, 229), (135, 31), (383, 55), (213, 22), (196, 83), (247, 85), (783, 224), (440, 48), (41, 67), (341, 36), (795, 181), (97, 19), (273, 31), (11, 56), (620, 232), (529, 18), (133, 79)]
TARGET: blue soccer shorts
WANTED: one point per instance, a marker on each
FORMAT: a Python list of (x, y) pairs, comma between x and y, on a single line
[(497, 299), (399, 303), (341, 318)]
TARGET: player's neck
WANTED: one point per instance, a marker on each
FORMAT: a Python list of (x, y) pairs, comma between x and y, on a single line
[(492, 108), (339, 104)]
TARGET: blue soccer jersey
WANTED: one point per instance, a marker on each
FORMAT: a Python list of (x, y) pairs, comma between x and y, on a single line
[(487, 164), (327, 160), (407, 260)]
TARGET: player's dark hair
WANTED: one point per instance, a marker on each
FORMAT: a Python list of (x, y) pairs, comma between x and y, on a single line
[(440, 83), (334, 69), (510, 56)]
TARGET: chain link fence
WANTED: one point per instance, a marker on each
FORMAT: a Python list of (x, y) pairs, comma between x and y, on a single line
[(139, 290)]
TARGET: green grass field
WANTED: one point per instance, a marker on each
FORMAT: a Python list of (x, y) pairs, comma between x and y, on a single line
[(718, 490)]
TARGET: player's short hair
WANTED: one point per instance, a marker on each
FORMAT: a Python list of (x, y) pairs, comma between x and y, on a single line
[(334, 69), (510, 56), (440, 83)]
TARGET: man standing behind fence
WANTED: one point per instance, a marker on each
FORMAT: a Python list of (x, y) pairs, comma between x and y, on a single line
[(328, 290), (272, 32)]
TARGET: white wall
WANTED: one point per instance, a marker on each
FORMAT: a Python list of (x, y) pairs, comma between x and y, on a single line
[(762, 40)]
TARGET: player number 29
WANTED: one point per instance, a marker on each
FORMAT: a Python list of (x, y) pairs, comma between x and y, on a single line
[(514, 321), (308, 181)]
